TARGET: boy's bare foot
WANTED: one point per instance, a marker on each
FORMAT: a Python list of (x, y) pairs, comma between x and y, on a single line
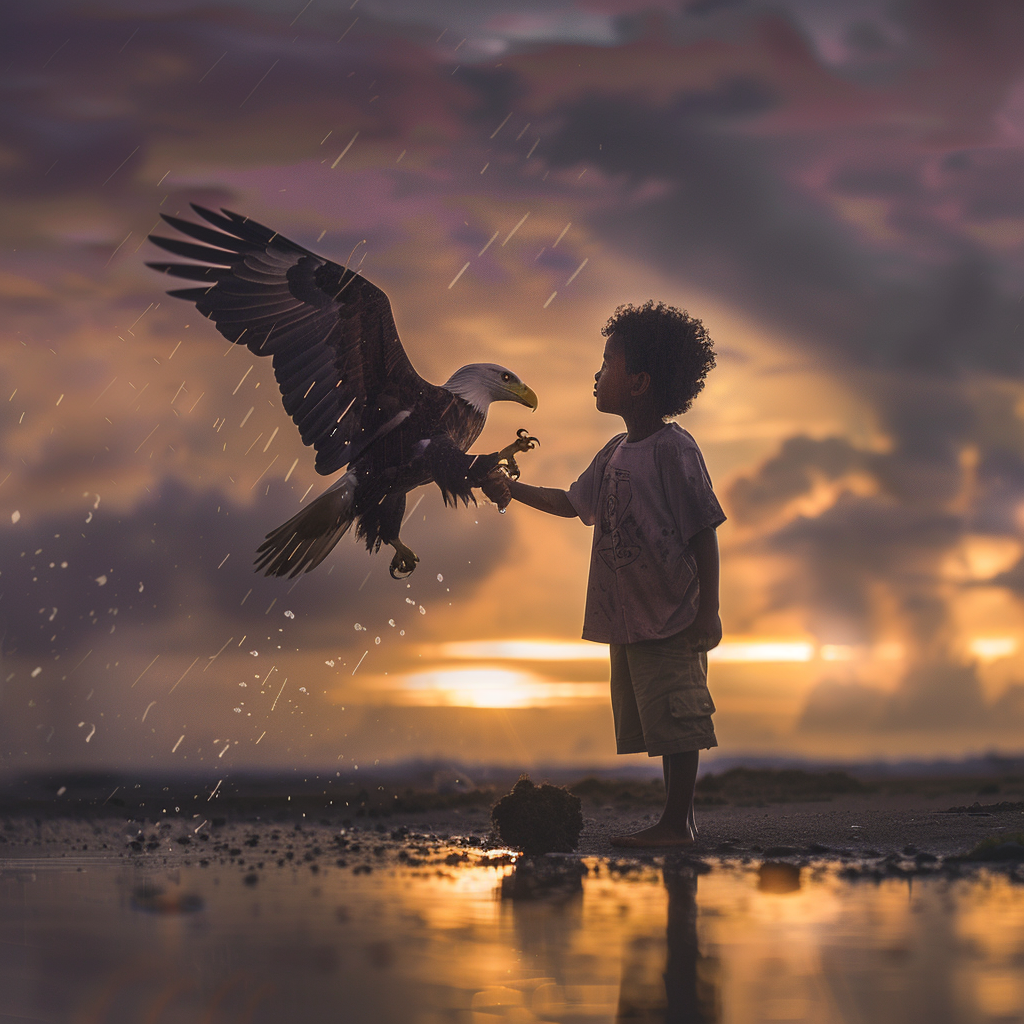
[(656, 837)]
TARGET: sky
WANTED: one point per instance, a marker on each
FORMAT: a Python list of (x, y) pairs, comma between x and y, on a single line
[(836, 190)]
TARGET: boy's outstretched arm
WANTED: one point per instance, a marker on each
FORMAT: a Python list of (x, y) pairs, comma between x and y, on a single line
[(552, 500), (501, 490), (706, 629)]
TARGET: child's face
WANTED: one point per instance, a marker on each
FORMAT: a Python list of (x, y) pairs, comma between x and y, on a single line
[(612, 384)]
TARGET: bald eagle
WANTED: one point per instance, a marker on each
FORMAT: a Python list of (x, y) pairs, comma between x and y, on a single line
[(347, 384)]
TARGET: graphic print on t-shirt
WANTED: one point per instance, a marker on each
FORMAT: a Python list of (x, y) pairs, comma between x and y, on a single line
[(618, 543)]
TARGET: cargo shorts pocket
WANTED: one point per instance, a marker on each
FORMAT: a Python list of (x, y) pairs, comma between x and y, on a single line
[(693, 702)]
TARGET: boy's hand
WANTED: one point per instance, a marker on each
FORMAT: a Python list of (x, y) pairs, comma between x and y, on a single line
[(495, 486), (705, 632)]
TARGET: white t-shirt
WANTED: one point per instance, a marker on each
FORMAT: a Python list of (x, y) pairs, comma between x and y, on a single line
[(645, 499)]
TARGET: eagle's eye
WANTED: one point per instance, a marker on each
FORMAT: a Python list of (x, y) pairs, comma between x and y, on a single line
[(506, 377)]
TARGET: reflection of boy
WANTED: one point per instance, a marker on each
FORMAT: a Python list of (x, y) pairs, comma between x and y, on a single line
[(653, 589)]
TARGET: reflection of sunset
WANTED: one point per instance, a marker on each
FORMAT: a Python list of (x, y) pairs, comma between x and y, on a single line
[(439, 943)]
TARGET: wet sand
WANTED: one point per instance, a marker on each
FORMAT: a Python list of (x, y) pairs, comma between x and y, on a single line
[(855, 826)]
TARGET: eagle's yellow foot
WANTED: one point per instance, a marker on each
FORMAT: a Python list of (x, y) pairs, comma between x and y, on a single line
[(524, 442), (404, 562)]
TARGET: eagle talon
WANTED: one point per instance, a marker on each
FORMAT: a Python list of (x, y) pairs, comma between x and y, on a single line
[(404, 562), (524, 442), (400, 570)]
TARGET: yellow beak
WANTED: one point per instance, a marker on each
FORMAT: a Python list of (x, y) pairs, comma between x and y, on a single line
[(524, 395)]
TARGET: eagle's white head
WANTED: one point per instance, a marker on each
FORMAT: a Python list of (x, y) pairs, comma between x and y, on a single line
[(479, 384)]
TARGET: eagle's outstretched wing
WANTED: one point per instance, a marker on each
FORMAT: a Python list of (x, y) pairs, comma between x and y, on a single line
[(344, 376)]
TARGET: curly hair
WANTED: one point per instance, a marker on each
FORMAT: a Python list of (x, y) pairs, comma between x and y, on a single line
[(670, 345)]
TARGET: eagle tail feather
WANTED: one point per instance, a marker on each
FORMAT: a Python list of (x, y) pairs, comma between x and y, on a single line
[(305, 540)]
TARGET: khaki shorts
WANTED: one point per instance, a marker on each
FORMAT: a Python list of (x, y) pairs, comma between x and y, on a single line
[(660, 697)]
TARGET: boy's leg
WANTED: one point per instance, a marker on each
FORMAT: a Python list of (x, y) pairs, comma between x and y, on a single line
[(673, 828), (690, 821), (681, 770)]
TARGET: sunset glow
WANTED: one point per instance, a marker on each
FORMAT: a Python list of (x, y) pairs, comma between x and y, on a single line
[(762, 651), (734, 650), (521, 650), (992, 648), (485, 687)]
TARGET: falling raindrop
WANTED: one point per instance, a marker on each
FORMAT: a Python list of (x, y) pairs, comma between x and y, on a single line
[(289, 615), (440, 578)]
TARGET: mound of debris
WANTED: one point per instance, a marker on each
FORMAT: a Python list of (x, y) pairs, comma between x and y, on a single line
[(538, 819)]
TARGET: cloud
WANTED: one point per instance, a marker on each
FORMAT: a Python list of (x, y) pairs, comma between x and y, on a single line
[(792, 474), (179, 565), (935, 697)]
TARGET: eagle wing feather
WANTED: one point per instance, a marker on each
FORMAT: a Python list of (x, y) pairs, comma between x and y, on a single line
[(337, 357)]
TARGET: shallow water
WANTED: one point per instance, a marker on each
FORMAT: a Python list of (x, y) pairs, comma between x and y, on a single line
[(88, 941)]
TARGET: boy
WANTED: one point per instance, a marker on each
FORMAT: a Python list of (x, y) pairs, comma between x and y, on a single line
[(653, 588)]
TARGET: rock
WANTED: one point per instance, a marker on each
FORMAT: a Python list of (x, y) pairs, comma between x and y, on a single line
[(538, 819)]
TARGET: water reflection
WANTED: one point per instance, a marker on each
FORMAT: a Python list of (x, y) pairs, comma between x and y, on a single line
[(103, 943), (665, 978), (670, 980)]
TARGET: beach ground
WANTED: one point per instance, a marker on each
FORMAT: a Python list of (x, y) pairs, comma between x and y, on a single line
[(748, 815)]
